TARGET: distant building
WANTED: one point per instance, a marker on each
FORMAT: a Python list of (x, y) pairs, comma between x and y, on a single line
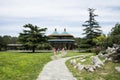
[(63, 40), (14, 46)]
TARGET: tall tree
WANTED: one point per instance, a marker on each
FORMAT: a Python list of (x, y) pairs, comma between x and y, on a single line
[(92, 28), (1, 43), (6, 40), (115, 34), (32, 37)]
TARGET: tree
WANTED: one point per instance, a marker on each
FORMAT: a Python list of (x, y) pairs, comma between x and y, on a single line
[(91, 29), (6, 40), (1, 43), (100, 40), (32, 36), (115, 34), (77, 43)]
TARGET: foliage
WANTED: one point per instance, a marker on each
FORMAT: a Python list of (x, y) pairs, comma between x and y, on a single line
[(70, 54), (77, 43), (22, 66), (32, 36), (85, 43), (115, 34), (96, 50), (113, 37), (106, 73), (7, 40), (1, 43), (91, 28), (100, 40), (44, 46)]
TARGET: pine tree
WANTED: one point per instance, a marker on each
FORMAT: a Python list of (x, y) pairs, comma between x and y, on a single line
[(92, 28), (32, 37)]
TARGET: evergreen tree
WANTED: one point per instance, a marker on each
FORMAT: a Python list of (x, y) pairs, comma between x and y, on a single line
[(1, 43), (32, 37), (91, 29), (115, 34)]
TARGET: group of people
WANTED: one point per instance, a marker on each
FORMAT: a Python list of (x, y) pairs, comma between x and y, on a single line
[(62, 51)]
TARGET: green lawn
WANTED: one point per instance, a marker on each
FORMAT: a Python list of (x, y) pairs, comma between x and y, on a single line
[(70, 54), (22, 66), (108, 72)]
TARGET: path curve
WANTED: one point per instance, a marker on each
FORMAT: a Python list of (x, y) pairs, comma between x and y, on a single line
[(56, 70)]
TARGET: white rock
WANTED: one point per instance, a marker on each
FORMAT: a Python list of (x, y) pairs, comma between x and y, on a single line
[(73, 62), (94, 67), (98, 66), (75, 67), (81, 67), (97, 61), (117, 69), (78, 65), (83, 60), (110, 51), (101, 55), (91, 69), (107, 59), (86, 67)]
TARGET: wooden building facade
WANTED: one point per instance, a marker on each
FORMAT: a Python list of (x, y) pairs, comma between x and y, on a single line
[(63, 40)]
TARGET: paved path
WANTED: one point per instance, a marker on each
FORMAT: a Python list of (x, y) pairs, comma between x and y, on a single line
[(56, 70)]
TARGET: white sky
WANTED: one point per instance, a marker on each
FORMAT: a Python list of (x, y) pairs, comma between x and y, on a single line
[(60, 14)]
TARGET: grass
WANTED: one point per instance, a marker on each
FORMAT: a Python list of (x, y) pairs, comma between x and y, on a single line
[(108, 72), (70, 53), (22, 66)]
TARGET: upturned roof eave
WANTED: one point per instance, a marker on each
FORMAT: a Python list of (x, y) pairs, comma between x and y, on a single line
[(52, 35)]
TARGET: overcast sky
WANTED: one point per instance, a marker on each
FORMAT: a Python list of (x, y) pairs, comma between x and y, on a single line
[(60, 14)]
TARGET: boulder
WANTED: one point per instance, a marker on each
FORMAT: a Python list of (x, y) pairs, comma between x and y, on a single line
[(110, 51), (86, 67), (94, 67), (97, 66), (83, 60), (89, 68), (117, 69), (80, 67), (101, 55), (73, 62), (96, 61), (76, 66)]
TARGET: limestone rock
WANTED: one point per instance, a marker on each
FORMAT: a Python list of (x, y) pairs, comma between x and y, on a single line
[(96, 61), (73, 62), (80, 67), (117, 69), (83, 60), (91, 69), (101, 55)]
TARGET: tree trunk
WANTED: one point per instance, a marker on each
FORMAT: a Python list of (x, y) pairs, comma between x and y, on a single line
[(33, 49)]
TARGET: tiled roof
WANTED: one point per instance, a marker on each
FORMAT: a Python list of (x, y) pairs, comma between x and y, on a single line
[(55, 33), (61, 40)]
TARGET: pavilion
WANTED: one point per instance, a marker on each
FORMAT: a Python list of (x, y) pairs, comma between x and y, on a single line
[(63, 40)]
